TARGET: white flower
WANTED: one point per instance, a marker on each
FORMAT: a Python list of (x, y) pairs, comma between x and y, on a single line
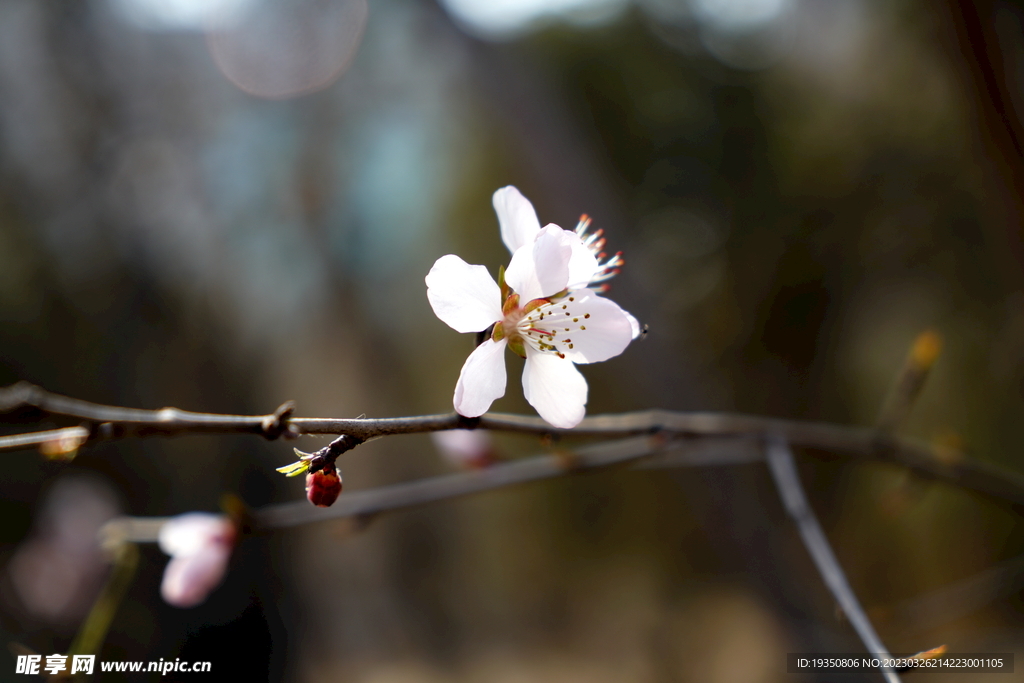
[(589, 266), (200, 546), (550, 316)]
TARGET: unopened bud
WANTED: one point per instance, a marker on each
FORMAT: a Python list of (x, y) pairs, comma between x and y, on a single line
[(323, 487)]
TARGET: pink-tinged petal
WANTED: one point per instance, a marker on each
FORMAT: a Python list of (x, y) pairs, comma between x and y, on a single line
[(189, 579), (541, 269), (634, 325), (598, 328), (464, 297), (190, 533), (466, 448), (482, 379), (516, 216), (583, 265), (555, 388)]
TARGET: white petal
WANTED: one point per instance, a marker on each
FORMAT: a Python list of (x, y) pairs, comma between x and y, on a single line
[(607, 332), (482, 379), (634, 324), (516, 216), (541, 269), (583, 265), (190, 533), (464, 297), (555, 388)]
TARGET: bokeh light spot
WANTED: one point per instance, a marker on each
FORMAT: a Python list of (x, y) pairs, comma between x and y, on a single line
[(278, 50)]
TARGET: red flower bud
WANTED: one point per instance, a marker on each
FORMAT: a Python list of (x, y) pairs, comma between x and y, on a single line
[(323, 487)]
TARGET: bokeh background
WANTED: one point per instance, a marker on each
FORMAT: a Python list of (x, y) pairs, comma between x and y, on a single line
[(220, 205)]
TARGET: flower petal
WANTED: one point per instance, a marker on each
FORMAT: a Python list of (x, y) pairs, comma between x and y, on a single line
[(464, 297), (583, 265), (599, 328), (634, 325), (482, 379), (555, 388), (541, 269), (191, 532), (189, 579), (516, 216)]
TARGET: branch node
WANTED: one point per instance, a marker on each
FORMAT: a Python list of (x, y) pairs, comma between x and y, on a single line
[(276, 424)]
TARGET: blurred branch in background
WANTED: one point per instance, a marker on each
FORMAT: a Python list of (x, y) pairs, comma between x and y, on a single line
[(783, 469)]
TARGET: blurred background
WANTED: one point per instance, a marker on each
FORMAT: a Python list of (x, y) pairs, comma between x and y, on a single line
[(223, 204)]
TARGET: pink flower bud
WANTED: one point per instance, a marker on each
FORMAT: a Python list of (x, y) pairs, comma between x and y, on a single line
[(466, 448), (188, 579), (200, 546), (323, 487)]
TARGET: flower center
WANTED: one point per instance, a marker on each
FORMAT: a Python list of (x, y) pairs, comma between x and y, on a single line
[(548, 325)]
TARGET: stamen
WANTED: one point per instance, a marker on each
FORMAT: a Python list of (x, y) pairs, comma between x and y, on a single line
[(594, 241)]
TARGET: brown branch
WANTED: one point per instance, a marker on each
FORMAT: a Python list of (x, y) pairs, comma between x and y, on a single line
[(112, 422), (106, 422)]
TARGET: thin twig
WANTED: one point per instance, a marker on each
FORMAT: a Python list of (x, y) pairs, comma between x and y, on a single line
[(909, 382), (787, 480), (37, 439), (432, 489), (112, 422), (107, 422)]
